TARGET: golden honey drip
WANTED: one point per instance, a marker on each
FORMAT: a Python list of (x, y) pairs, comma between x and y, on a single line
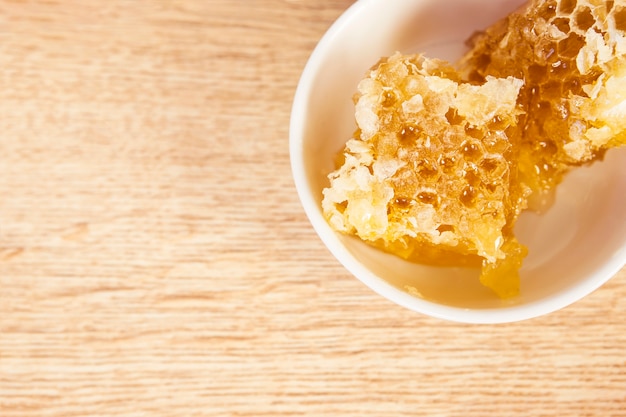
[(444, 160)]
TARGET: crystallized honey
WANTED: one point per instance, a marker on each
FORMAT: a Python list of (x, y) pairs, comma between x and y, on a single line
[(444, 158)]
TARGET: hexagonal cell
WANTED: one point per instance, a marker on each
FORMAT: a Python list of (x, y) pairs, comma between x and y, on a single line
[(403, 202), (388, 98), (583, 19), (549, 10), (468, 196), (493, 168), (562, 23), (409, 133), (427, 170), (573, 84), (619, 16), (566, 7), (406, 182), (561, 68), (448, 163), (570, 46), (546, 50), (428, 197), (472, 150), (537, 73), (472, 175)]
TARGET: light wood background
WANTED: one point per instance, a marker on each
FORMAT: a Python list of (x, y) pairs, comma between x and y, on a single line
[(155, 259)]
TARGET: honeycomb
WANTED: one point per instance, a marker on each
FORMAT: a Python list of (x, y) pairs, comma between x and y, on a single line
[(426, 175), (572, 57), (444, 159)]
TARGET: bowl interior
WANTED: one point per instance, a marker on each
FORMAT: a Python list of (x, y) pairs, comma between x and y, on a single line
[(573, 248)]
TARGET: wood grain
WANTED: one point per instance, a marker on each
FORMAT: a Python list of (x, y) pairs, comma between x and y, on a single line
[(155, 260)]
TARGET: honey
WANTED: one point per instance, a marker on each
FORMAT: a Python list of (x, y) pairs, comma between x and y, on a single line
[(445, 158), (570, 55)]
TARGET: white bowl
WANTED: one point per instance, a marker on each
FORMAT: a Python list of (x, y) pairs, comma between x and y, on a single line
[(573, 248)]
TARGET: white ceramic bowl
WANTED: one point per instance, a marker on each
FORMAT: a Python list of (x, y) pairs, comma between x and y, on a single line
[(573, 248)]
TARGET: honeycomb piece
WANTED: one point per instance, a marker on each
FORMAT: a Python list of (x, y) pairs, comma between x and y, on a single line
[(444, 160), (426, 175), (571, 55)]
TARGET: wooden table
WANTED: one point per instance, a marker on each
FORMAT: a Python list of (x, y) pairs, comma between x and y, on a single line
[(155, 259)]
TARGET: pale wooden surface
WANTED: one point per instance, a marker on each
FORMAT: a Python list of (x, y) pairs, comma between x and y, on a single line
[(155, 260)]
